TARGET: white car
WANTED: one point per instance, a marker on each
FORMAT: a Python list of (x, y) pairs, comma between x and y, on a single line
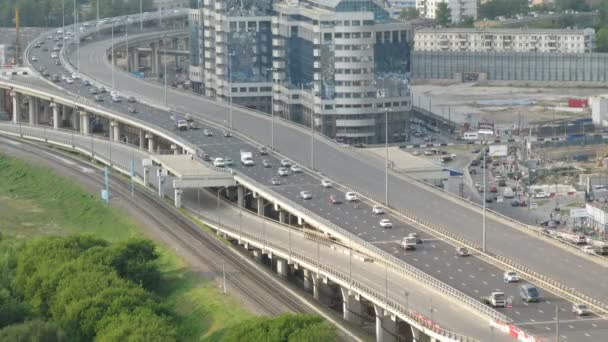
[(296, 169), (350, 196), (34, 59), (326, 183), (285, 163), (207, 132), (377, 210), (305, 195), (75, 76), (580, 309), (283, 171), (541, 194), (54, 55), (116, 98), (113, 93), (275, 181), (219, 162), (386, 223), (69, 80), (510, 277)]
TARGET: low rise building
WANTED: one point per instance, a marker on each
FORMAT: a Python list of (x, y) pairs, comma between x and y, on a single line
[(599, 110), (505, 40), (597, 215), (459, 9)]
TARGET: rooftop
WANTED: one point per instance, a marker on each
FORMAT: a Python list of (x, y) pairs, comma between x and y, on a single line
[(504, 30)]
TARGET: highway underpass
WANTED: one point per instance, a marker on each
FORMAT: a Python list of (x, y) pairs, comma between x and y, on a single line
[(285, 139)]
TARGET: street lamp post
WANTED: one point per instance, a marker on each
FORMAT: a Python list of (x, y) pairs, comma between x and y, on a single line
[(165, 74), (485, 188), (230, 55), (113, 81), (386, 162), (312, 140), (127, 41), (272, 111), (141, 15)]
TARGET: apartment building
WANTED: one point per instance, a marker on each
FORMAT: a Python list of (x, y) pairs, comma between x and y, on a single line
[(395, 7), (339, 66), (460, 9), (505, 40)]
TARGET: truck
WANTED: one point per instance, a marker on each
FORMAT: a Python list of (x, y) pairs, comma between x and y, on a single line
[(247, 158), (409, 242), (495, 299)]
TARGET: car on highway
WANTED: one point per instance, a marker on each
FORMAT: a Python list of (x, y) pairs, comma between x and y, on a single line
[(264, 151), (296, 169), (333, 199), (93, 91), (69, 80), (385, 223), (588, 249), (132, 110), (350, 196), (408, 243), (415, 236), (462, 252), (75, 76), (377, 210), (510, 277), (218, 162), (266, 163), (98, 98), (103, 90), (541, 194), (114, 93), (131, 99), (283, 171), (86, 83), (227, 134), (305, 195), (57, 62), (326, 183), (34, 59), (206, 157), (529, 293), (285, 163), (580, 309), (207, 132), (116, 99), (228, 161)]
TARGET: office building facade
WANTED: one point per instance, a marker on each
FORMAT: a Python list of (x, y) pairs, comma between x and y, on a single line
[(338, 66)]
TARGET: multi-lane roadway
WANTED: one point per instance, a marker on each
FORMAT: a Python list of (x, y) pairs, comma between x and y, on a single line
[(434, 256)]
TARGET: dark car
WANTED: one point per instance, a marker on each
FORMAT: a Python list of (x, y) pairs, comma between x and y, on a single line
[(489, 200), (206, 157), (131, 99), (515, 203)]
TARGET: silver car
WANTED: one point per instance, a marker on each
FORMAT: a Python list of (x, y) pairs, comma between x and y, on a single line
[(305, 195)]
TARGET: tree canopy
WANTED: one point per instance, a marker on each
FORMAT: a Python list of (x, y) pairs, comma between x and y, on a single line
[(507, 8), (443, 15)]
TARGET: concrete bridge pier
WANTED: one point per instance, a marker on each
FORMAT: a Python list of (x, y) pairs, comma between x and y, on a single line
[(84, 119), (75, 119), (283, 216), (386, 325), (55, 108), (150, 138), (146, 176), (2, 100), (240, 196), (154, 58), (282, 267), (260, 206), (352, 308), (33, 110), (115, 130), (142, 139), (16, 107), (310, 282), (178, 198), (64, 115)]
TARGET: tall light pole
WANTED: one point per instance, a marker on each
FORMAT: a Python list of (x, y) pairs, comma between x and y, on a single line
[(76, 35), (386, 163), (127, 39), (312, 140), (62, 19), (272, 110), (165, 81), (112, 57), (230, 55), (97, 16), (485, 188), (141, 15)]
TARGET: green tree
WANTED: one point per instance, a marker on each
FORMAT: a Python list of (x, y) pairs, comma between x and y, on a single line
[(443, 15), (142, 324), (576, 5), (33, 331), (507, 8), (601, 40), (409, 13)]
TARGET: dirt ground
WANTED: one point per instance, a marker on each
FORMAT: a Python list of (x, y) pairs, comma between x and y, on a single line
[(460, 103)]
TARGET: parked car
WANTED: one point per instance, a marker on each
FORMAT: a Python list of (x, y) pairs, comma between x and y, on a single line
[(228, 161)]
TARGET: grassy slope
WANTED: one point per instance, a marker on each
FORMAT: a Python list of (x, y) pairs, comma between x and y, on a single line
[(36, 202)]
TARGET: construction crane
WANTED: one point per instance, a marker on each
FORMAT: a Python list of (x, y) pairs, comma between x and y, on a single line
[(17, 60)]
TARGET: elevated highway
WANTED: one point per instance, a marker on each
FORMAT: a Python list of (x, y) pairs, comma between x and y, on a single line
[(442, 222)]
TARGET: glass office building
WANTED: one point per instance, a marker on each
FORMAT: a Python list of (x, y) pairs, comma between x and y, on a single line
[(341, 67)]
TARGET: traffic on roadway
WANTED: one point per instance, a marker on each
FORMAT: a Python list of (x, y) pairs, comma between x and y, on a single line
[(432, 255)]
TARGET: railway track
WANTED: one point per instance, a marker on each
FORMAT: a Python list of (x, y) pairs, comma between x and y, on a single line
[(185, 232)]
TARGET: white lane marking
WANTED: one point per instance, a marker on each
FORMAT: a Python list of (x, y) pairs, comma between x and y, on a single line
[(16, 143)]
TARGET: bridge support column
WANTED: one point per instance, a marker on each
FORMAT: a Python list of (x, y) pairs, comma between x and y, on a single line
[(283, 216), (154, 58), (75, 119), (260, 206), (257, 255), (2, 100), (386, 325), (115, 130), (142, 139), (178, 198), (282, 267), (135, 60), (150, 138), (311, 282), (32, 110), (146, 171), (56, 123), (16, 107), (240, 196), (84, 118), (352, 310)]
